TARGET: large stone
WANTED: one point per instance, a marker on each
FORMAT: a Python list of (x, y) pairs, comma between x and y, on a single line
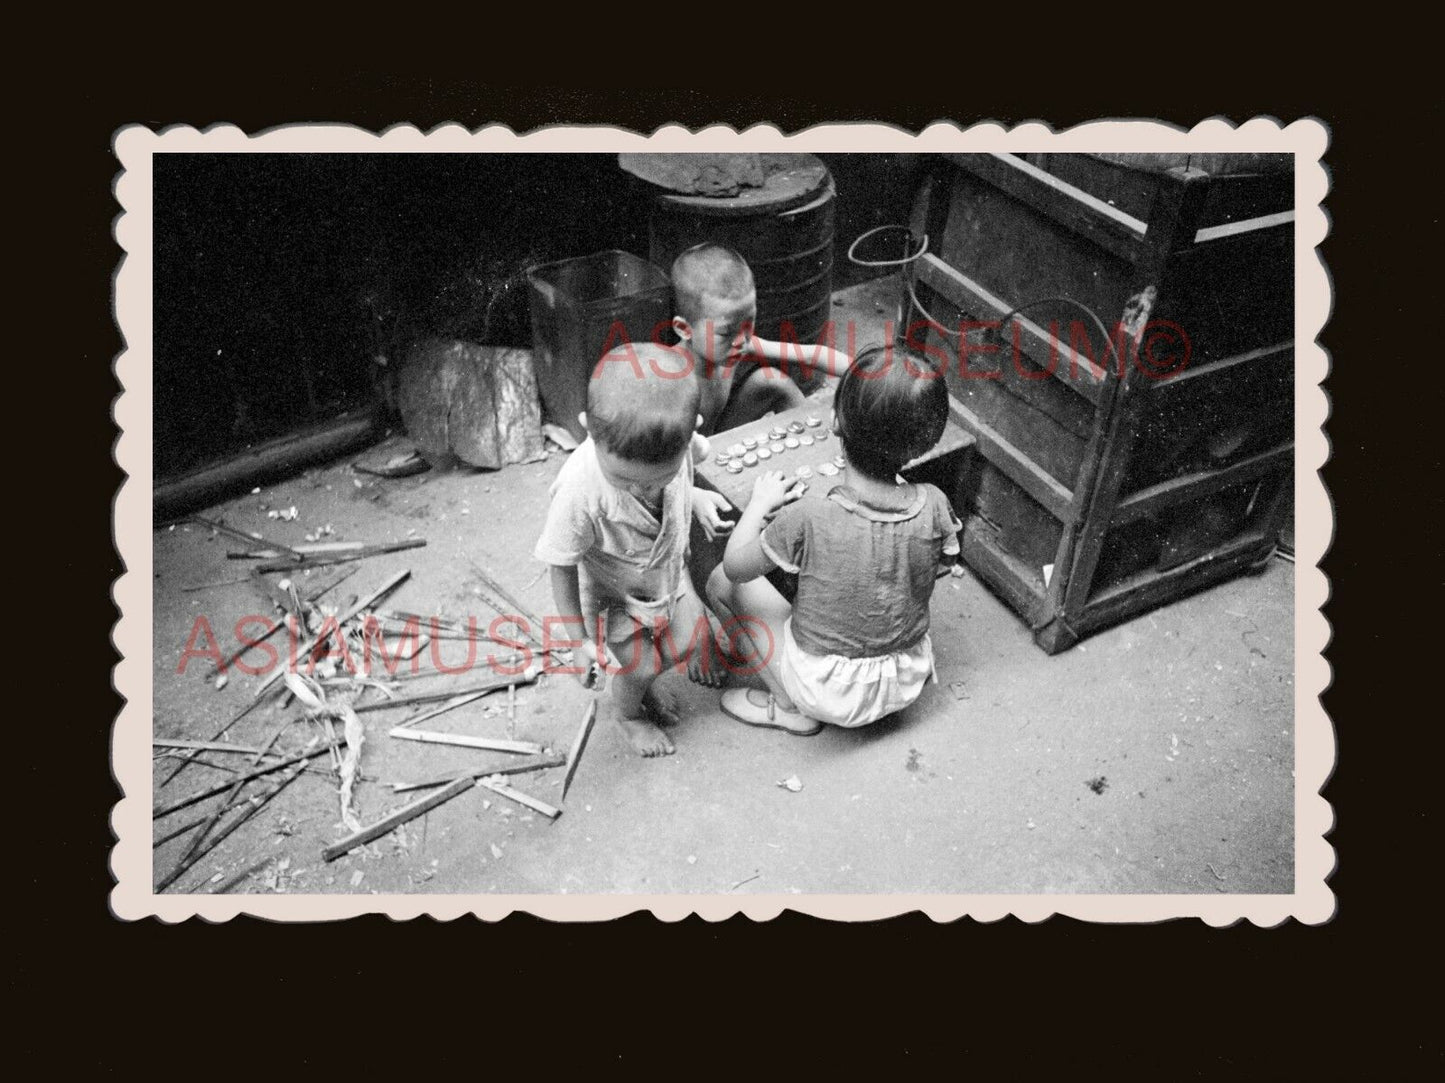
[(478, 404)]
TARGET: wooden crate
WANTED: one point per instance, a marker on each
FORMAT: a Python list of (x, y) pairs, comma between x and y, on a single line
[(1098, 490)]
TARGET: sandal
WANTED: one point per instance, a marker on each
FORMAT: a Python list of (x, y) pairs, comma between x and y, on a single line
[(755, 707)]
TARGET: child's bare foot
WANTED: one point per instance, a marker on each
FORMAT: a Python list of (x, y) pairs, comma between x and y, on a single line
[(705, 664), (645, 738), (662, 705)]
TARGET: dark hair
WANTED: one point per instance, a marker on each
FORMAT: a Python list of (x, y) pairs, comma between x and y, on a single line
[(892, 406), (646, 409), (708, 270)]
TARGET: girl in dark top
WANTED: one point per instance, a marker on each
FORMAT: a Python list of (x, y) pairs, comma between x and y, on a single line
[(866, 546)]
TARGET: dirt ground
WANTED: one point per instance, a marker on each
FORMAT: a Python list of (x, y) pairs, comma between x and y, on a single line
[(1154, 757)]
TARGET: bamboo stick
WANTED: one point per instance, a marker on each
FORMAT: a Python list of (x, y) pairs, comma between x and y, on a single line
[(254, 805), (196, 798), (323, 560), (386, 588), (249, 539), (483, 772), (579, 744), (527, 801), (462, 740), (400, 816)]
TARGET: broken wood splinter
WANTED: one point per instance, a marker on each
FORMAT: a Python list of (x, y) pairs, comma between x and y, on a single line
[(526, 800), (491, 744)]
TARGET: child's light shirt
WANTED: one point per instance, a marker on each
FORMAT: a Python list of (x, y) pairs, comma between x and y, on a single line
[(865, 575), (623, 549)]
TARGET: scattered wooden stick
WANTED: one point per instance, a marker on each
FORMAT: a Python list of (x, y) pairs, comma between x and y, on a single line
[(527, 676), (287, 565), (503, 790), (395, 819), (482, 772), (449, 705), (518, 609), (215, 737), (178, 831), (253, 806), (196, 798), (308, 549), (308, 600), (381, 592), (217, 583), (579, 744), (250, 539), (462, 740), (203, 746)]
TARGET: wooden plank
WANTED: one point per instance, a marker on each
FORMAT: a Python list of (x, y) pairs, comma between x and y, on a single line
[(1018, 583), (1043, 349), (396, 819), (1187, 376), (483, 772), (1151, 589), (1019, 468), (525, 800), (496, 684), (1248, 225), (203, 746), (461, 740), (1075, 209), (1237, 198), (579, 744), (1180, 490), (1175, 219)]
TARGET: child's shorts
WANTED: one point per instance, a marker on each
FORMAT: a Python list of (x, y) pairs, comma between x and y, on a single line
[(853, 691)]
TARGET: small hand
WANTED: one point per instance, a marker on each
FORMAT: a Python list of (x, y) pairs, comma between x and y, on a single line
[(747, 345), (593, 667), (708, 506), (774, 489)]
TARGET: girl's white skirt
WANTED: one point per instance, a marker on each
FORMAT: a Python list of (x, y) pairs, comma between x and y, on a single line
[(853, 691)]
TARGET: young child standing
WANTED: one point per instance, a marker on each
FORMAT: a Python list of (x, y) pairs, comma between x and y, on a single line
[(616, 536), (853, 647)]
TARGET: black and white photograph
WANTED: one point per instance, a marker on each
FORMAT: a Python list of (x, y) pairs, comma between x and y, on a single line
[(854, 523)]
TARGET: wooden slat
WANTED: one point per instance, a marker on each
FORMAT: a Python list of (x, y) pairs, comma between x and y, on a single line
[(1193, 486), (1085, 377), (461, 740), (393, 820), (1018, 467), (1152, 589), (1174, 220), (1090, 217), (1003, 571), (1191, 373), (1248, 225)]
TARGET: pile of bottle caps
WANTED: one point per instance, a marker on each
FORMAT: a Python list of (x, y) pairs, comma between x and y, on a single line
[(778, 442)]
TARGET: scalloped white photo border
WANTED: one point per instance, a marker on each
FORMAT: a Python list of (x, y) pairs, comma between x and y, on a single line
[(133, 896)]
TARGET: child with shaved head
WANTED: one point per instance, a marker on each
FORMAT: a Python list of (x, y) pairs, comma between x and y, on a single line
[(716, 303), (617, 531)]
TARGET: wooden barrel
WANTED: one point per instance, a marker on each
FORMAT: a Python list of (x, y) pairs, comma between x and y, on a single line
[(785, 232)]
